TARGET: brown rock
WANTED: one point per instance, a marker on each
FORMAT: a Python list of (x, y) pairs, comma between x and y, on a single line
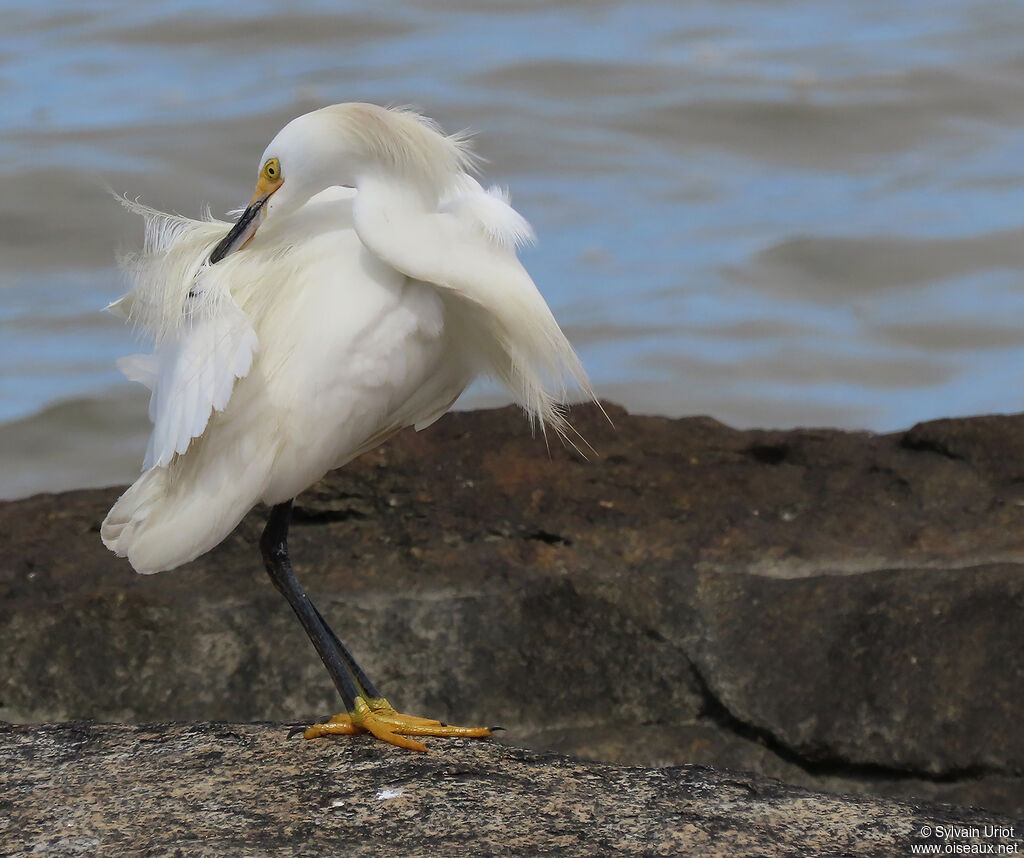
[(843, 610)]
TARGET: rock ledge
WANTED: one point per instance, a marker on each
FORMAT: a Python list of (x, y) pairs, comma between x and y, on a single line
[(215, 789)]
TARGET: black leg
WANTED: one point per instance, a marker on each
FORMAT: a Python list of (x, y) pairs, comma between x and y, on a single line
[(367, 711), (349, 678), (364, 682)]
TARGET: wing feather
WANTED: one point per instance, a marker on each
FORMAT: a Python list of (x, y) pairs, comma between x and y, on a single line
[(204, 341), (196, 372), (467, 250)]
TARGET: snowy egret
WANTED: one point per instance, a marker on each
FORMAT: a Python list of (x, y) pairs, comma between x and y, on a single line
[(378, 278)]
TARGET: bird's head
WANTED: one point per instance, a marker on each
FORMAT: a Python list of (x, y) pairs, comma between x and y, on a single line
[(338, 145), (304, 158)]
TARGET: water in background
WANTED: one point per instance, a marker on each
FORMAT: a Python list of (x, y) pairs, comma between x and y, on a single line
[(776, 213)]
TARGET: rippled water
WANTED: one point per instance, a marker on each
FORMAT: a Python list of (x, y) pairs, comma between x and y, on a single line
[(777, 213)]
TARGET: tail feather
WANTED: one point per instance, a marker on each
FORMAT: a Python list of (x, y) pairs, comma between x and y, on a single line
[(158, 528), (127, 518)]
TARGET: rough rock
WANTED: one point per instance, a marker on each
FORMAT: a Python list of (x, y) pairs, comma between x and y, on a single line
[(841, 610), (230, 789)]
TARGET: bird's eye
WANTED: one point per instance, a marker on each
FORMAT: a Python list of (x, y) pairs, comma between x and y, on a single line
[(272, 170)]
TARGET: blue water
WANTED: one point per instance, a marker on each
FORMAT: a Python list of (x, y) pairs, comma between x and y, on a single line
[(776, 213)]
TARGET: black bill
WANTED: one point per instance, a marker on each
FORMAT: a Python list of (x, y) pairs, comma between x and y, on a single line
[(244, 229)]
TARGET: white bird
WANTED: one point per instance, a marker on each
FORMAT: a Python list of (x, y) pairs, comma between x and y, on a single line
[(382, 280)]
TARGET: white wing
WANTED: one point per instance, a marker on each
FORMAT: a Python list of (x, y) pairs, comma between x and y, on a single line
[(467, 248), (191, 376), (204, 341)]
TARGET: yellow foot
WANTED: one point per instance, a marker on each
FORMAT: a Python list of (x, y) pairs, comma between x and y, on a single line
[(377, 716)]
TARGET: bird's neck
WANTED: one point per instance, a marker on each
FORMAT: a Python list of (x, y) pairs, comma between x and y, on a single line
[(399, 223)]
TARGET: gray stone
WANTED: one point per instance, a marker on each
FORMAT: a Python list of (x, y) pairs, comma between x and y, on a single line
[(245, 789)]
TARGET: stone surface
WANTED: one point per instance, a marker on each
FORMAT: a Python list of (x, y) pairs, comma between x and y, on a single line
[(841, 610), (229, 789)]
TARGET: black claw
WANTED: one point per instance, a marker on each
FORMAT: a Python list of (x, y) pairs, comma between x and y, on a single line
[(294, 731), (495, 729)]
